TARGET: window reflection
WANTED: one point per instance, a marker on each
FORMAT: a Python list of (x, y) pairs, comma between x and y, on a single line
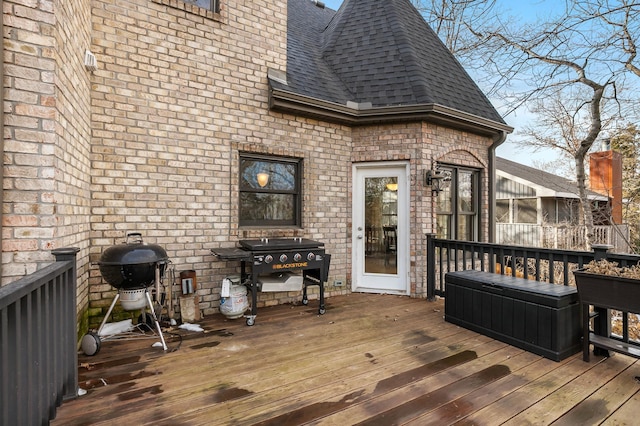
[(270, 193), (457, 206), (381, 220)]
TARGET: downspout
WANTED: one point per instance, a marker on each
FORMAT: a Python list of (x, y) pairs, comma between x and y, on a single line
[(497, 141)]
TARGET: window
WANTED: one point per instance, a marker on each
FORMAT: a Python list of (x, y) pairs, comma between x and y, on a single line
[(270, 191), (205, 8), (503, 211), (212, 5), (457, 206), (526, 210)]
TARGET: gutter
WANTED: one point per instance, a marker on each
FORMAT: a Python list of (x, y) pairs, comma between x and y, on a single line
[(355, 114)]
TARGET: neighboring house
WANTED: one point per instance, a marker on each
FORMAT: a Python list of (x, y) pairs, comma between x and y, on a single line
[(537, 208), (203, 124)]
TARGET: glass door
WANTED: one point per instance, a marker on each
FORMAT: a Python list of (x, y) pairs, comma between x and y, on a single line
[(380, 228)]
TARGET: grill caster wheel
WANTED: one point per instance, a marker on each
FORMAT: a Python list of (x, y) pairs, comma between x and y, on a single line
[(321, 311), (250, 321), (90, 343), (305, 302)]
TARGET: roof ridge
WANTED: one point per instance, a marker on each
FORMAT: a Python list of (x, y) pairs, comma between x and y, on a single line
[(409, 59)]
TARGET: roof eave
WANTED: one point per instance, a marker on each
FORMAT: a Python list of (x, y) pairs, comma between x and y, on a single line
[(353, 114)]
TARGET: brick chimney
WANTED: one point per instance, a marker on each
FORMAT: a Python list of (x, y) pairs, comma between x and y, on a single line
[(606, 179)]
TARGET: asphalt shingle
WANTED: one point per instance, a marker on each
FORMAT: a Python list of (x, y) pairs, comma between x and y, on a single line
[(378, 52)]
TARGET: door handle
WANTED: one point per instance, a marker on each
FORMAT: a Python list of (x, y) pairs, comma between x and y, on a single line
[(360, 236)]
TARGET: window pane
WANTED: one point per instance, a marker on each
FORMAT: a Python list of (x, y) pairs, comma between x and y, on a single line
[(465, 228), (381, 218), (466, 189), (502, 211), (205, 4), (443, 226), (255, 206), (267, 175), (270, 191), (444, 201), (526, 211)]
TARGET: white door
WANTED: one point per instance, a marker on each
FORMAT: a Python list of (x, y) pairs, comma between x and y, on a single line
[(381, 228)]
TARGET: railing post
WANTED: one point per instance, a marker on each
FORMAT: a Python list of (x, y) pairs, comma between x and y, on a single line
[(602, 321), (431, 267), (600, 251), (65, 253), (69, 320)]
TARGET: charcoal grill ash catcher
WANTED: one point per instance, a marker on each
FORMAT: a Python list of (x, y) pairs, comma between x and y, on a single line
[(133, 268)]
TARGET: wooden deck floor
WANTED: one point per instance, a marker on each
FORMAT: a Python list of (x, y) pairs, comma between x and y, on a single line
[(370, 360)]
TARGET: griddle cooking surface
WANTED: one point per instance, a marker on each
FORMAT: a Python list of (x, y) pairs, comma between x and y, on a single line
[(279, 244)]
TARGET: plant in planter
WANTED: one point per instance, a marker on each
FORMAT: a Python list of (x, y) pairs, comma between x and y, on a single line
[(605, 267), (604, 283)]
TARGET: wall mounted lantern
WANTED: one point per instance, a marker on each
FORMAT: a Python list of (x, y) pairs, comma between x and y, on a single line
[(437, 179)]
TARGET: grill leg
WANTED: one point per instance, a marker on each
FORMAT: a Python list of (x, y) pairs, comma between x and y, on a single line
[(155, 319), (106, 317)]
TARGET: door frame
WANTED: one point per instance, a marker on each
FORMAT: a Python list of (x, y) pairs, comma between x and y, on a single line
[(358, 282)]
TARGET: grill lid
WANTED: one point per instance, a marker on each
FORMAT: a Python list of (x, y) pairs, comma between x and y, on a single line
[(133, 252), (280, 244)]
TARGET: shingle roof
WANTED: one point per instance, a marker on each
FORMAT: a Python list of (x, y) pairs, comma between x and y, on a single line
[(555, 185), (378, 54)]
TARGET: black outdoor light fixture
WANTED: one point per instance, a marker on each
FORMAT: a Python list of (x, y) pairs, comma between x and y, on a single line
[(437, 179)]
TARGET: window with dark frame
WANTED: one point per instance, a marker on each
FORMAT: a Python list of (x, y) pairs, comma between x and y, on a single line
[(270, 191), (457, 206), (212, 5)]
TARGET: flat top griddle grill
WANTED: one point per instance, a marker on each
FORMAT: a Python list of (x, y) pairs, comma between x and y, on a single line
[(269, 255)]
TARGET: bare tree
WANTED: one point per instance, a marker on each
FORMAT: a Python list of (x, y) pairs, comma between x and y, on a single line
[(567, 69), (627, 142), (452, 19), (572, 69)]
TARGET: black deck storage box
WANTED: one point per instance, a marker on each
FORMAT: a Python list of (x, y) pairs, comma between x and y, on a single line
[(535, 316)]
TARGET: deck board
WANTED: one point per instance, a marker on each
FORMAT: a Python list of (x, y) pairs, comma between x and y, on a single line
[(371, 359)]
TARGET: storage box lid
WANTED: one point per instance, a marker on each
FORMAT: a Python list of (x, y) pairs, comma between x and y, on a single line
[(541, 293)]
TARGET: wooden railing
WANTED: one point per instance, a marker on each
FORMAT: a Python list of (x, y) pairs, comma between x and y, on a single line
[(38, 342), (562, 236)]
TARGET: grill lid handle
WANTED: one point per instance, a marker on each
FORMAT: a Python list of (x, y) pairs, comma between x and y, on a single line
[(137, 235)]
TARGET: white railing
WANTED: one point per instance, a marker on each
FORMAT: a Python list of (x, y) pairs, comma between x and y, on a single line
[(562, 236)]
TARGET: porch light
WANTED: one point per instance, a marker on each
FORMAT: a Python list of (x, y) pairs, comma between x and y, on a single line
[(263, 179), (438, 180)]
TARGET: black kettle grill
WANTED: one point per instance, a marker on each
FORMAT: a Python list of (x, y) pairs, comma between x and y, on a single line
[(131, 268), (132, 265)]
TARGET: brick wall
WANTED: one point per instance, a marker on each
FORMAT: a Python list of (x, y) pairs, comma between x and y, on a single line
[(47, 130), (422, 144), (150, 141), (177, 96)]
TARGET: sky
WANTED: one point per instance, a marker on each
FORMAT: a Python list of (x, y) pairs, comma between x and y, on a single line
[(528, 10)]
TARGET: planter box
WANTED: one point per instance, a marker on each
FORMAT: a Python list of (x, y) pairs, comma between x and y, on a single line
[(539, 317), (608, 292)]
